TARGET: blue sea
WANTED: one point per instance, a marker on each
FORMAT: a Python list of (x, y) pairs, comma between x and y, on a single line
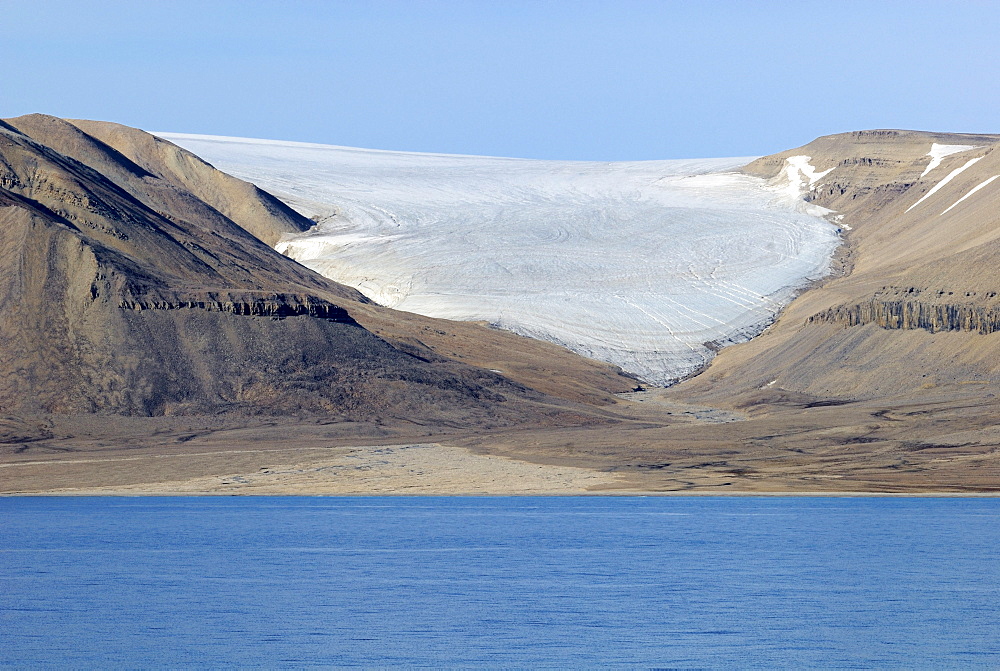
[(503, 582)]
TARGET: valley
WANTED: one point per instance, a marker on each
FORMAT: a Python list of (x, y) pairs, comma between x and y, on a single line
[(154, 342)]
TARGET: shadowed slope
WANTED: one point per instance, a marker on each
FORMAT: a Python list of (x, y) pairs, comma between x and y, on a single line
[(539, 365), (255, 210)]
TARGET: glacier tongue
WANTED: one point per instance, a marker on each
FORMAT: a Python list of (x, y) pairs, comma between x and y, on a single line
[(650, 265)]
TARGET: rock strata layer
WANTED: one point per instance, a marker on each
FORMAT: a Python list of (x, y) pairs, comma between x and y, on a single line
[(910, 312)]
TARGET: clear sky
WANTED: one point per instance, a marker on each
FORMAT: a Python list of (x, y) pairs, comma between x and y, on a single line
[(571, 80)]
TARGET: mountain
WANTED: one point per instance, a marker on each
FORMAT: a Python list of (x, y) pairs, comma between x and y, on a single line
[(917, 306), (136, 279)]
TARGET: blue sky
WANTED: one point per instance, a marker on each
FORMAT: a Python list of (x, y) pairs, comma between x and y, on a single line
[(569, 80)]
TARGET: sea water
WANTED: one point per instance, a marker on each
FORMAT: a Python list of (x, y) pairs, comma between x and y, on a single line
[(508, 582)]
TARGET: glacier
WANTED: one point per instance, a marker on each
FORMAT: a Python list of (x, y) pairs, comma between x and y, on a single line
[(649, 265)]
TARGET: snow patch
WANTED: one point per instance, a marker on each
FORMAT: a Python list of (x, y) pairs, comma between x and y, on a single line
[(796, 180), (974, 189), (801, 165), (650, 265), (951, 175), (939, 151)]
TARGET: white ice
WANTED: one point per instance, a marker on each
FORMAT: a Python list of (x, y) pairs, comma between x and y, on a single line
[(649, 265), (974, 190), (939, 151), (950, 176)]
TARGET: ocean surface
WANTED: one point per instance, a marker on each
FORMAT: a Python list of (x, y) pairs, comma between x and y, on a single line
[(500, 582)]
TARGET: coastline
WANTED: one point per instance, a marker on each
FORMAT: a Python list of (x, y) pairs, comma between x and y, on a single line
[(411, 469)]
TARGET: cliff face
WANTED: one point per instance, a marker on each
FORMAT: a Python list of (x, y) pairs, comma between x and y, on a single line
[(917, 304), (132, 284), (895, 308)]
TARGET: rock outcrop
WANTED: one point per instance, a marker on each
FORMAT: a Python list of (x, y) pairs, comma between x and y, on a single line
[(904, 309), (273, 305)]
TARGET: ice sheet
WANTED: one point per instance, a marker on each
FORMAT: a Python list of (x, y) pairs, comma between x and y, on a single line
[(649, 265)]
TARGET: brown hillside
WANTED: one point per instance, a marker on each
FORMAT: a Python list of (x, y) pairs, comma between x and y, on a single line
[(128, 287), (257, 211), (920, 306)]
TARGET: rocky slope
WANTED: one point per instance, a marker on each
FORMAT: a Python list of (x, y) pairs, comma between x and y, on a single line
[(916, 305), (135, 279)]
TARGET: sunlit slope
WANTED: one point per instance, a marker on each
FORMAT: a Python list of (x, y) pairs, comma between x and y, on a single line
[(649, 265), (919, 312)]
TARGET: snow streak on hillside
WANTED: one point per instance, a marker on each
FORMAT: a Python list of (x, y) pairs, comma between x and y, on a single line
[(650, 265)]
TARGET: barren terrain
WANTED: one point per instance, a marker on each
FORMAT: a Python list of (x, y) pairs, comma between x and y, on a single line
[(882, 379)]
